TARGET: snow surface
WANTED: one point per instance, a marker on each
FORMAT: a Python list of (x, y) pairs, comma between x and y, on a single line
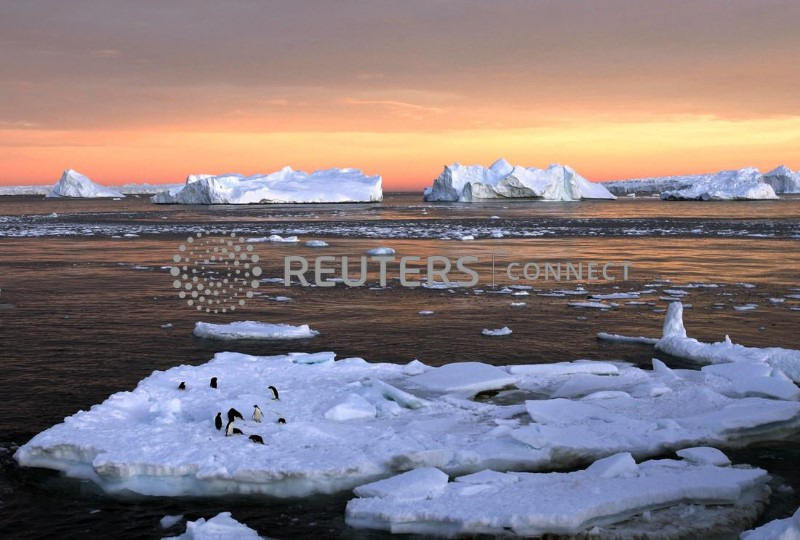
[(220, 527), (741, 184), (284, 186), (674, 341), (252, 330), (349, 422), (467, 183), (75, 185), (609, 492), (779, 529)]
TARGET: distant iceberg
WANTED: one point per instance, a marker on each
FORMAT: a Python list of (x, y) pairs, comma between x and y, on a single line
[(284, 186), (741, 184), (75, 185), (783, 179), (467, 183)]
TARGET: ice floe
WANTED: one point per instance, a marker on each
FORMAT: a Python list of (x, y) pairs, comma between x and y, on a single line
[(316, 243), (779, 529), (467, 183), (615, 497), (75, 185), (505, 331), (284, 186), (241, 330), (222, 526), (275, 238), (381, 251)]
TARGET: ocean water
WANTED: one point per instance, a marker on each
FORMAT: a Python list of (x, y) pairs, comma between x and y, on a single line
[(84, 294)]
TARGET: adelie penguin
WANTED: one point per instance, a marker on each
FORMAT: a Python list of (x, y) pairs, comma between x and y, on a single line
[(257, 414), (218, 421), (281, 420), (182, 386), (213, 383), (231, 430), (233, 414), (256, 439), (274, 392)]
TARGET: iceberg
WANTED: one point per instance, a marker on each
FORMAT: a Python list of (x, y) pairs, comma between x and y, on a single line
[(220, 526), (783, 180), (75, 185), (467, 183), (252, 330), (349, 422), (779, 529), (284, 186), (741, 184), (614, 498)]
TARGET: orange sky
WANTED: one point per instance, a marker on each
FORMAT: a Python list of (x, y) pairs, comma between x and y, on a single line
[(144, 92)]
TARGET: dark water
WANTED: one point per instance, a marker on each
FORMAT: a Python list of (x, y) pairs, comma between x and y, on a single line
[(81, 316)]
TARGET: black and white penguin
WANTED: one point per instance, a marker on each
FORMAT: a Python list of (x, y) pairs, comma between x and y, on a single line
[(281, 420), (218, 421), (213, 383), (257, 414), (231, 430), (182, 386), (274, 392), (256, 439), (233, 414)]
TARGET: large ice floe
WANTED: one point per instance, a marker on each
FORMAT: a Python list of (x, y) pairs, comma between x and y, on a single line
[(599, 501), (241, 330), (467, 183), (220, 527), (349, 422), (75, 185), (741, 184), (284, 186), (780, 366)]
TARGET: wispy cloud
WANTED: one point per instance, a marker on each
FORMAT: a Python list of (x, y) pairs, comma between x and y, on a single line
[(396, 107)]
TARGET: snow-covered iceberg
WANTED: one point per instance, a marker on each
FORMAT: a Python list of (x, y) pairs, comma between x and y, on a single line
[(253, 330), (222, 526), (783, 180), (741, 184), (613, 498), (467, 183), (75, 185), (350, 422), (284, 186), (779, 529)]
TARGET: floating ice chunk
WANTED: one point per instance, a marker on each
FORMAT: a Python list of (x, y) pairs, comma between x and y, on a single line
[(276, 238), (592, 305), (284, 186), (746, 307), (352, 407), (415, 485), (779, 529), (242, 330), (518, 304), (381, 251), (615, 296), (317, 243), (626, 339), (616, 466), (472, 377), (467, 237), (425, 312), (75, 185), (505, 331), (776, 300), (704, 455), (221, 526), (168, 521), (566, 504), (673, 322)]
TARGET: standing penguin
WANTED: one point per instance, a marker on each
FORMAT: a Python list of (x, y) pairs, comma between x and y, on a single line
[(274, 392), (218, 421), (182, 386), (257, 414), (213, 383), (231, 430)]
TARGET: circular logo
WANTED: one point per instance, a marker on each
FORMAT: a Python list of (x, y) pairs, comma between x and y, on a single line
[(215, 274)]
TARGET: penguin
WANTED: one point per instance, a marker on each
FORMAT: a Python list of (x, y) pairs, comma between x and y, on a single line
[(281, 420), (274, 392), (182, 386), (213, 383), (233, 414), (256, 439), (231, 430), (257, 414), (218, 421)]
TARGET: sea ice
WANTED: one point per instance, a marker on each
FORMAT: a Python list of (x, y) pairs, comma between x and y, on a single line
[(381, 251), (779, 529), (220, 527), (316, 243), (75, 185), (505, 331), (241, 330), (594, 501), (284, 186), (275, 238), (503, 180)]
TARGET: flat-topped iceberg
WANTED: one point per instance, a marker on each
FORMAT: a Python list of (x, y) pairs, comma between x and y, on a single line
[(467, 183), (75, 185), (783, 179), (613, 498), (284, 186), (741, 184), (351, 422), (241, 330)]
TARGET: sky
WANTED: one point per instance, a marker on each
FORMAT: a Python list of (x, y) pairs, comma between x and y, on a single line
[(150, 91)]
